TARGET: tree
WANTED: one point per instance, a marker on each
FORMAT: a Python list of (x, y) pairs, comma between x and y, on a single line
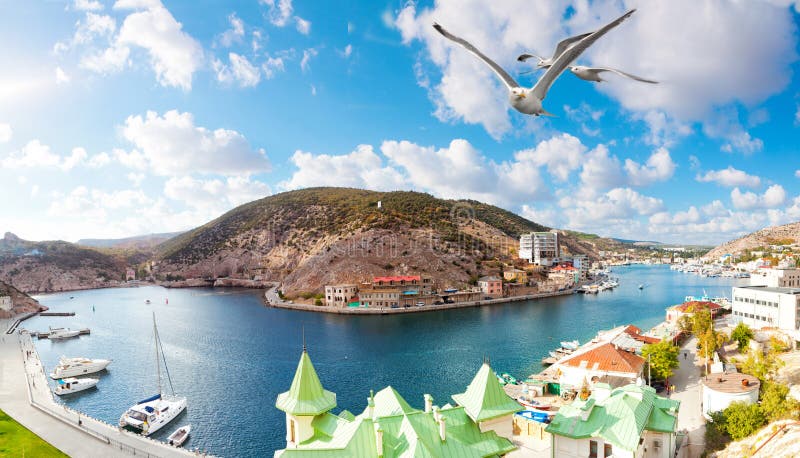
[(775, 404), (742, 335), (759, 365), (701, 321), (742, 419), (662, 357)]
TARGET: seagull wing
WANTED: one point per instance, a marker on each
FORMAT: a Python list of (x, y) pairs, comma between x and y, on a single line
[(567, 42), (621, 73), (507, 79), (566, 58), (524, 57)]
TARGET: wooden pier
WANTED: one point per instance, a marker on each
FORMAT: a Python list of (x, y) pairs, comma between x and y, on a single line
[(57, 314)]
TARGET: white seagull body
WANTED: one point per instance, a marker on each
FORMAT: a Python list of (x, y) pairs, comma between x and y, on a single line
[(529, 101), (547, 62), (593, 74)]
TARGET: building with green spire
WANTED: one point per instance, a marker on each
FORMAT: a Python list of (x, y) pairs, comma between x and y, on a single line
[(630, 421), (487, 404), (389, 426)]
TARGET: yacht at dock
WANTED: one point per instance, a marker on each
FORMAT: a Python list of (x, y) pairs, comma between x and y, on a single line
[(70, 367)]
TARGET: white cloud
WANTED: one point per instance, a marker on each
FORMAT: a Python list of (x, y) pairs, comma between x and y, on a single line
[(313, 90), (33, 154), (616, 209), (234, 34), (5, 132), (796, 172), (773, 197), (664, 130), (561, 154), (307, 55), (174, 54), (347, 51), (730, 177), (279, 11), (302, 25), (271, 66), (78, 155), (172, 145), (240, 71), (61, 76), (689, 65), (659, 167), (546, 217), (136, 178), (87, 5), (600, 171), (99, 160), (110, 60), (95, 203), (215, 193), (362, 168)]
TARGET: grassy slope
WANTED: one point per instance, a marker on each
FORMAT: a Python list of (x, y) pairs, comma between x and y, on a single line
[(16, 440)]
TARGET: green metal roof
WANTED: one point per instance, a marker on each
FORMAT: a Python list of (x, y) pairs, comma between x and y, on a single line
[(485, 399), (306, 395), (388, 402), (618, 419)]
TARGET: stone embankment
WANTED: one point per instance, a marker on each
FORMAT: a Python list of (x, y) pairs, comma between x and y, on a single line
[(270, 300)]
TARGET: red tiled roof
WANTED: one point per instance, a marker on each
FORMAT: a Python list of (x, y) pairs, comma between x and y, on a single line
[(698, 305), (636, 334), (559, 268), (608, 358), (396, 278)]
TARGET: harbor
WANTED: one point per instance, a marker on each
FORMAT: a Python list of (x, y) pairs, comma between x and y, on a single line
[(231, 330)]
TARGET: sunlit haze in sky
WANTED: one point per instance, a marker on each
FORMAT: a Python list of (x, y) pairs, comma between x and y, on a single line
[(127, 117)]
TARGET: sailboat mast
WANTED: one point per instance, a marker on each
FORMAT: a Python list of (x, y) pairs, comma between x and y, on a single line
[(158, 361)]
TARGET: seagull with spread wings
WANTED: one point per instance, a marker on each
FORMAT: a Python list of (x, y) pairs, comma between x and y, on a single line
[(593, 74), (547, 62), (529, 101)]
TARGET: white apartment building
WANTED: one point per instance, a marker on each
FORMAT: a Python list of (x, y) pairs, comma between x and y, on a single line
[(767, 306), (581, 262), (539, 248), (5, 303), (781, 277)]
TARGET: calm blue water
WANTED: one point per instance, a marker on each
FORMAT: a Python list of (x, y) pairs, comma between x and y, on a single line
[(231, 356)]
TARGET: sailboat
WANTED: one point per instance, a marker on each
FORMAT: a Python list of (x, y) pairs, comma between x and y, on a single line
[(149, 415)]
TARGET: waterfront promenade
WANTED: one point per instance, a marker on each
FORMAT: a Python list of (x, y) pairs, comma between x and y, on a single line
[(26, 397), (686, 379), (271, 299)]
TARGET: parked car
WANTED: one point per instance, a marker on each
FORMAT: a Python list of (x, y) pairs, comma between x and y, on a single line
[(420, 304)]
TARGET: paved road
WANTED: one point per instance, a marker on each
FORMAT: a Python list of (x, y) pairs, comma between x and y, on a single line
[(62, 432), (687, 390)]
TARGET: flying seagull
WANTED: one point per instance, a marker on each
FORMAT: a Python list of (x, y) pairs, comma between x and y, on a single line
[(529, 101), (593, 74), (546, 62)]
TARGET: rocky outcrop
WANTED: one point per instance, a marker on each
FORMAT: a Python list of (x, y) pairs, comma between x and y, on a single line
[(765, 237), (22, 303)]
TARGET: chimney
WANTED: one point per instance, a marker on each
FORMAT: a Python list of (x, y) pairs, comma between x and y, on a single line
[(379, 440), (442, 428), (745, 382), (428, 402), (371, 404)]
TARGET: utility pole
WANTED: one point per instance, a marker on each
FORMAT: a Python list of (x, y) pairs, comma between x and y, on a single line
[(649, 380)]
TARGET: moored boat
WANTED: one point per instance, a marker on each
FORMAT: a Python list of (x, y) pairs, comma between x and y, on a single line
[(74, 385), (179, 436), (70, 367), (149, 415), (61, 333), (570, 345)]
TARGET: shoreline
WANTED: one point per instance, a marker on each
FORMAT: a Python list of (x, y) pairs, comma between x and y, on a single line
[(420, 309)]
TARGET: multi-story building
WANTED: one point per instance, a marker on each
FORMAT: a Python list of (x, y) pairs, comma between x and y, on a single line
[(340, 295), (581, 262), (539, 248), (491, 286), (384, 297), (778, 278), (5, 303), (767, 306), (517, 276)]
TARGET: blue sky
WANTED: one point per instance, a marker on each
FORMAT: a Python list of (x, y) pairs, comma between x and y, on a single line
[(135, 116)]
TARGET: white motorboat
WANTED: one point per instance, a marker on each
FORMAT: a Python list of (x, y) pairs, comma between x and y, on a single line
[(149, 415), (70, 367), (571, 345), (73, 385), (61, 333), (180, 435)]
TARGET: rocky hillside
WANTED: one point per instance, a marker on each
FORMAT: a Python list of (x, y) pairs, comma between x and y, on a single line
[(58, 266), (22, 302), (776, 235), (312, 237), (139, 242)]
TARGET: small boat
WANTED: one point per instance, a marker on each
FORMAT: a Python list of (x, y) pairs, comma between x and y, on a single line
[(70, 367), (61, 333), (531, 404), (73, 385), (570, 345), (641, 286), (147, 301), (179, 436)]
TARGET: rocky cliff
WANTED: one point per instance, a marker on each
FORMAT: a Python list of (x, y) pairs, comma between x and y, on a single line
[(776, 235)]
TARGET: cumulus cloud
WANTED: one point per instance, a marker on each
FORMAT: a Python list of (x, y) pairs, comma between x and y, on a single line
[(271, 66), (87, 5), (302, 25), (362, 168), (61, 76), (561, 154), (37, 154), (773, 197), (234, 34), (698, 74), (216, 193), (616, 210), (5, 132), (308, 54), (107, 61), (730, 177), (279, 11), (173, 145), (240, 70), (601, 171), (659, 167)]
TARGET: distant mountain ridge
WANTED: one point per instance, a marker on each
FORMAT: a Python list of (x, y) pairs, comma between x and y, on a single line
[(146, 241), (775, 235)]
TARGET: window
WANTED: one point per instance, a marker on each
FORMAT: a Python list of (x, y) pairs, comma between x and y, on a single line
[(607, 450), (592, 449)]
